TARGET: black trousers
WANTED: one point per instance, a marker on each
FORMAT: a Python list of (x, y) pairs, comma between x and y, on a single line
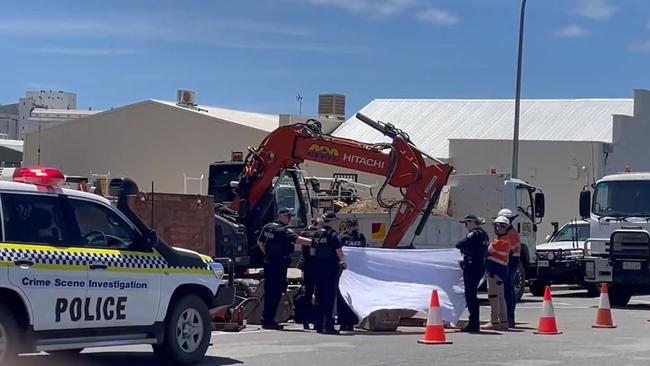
[(472, 275), (309, 285), (327, 281), (275, 283)]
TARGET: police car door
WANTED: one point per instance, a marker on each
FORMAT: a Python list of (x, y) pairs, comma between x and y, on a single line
[(49, 274), (123, 283)]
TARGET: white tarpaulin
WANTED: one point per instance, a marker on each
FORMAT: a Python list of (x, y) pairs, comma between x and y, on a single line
[(382, 279)]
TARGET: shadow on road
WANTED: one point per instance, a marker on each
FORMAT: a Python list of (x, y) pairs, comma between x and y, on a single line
[(115, 358), (644, 307)]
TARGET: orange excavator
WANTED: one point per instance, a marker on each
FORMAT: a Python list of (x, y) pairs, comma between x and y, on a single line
[(400, 161)]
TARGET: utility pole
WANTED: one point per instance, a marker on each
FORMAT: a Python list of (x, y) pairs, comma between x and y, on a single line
[(515, 140)]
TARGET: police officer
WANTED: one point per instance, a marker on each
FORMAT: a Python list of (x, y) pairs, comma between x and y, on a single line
[(329, 259), (351, 237), (474, 249), (277, 242), (309, 272)]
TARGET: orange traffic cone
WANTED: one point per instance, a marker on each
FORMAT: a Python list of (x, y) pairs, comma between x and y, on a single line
[(604, 315), (547, 324), (435, 331)]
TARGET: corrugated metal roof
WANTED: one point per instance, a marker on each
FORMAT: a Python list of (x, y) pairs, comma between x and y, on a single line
[(432, 123), (260, 121)]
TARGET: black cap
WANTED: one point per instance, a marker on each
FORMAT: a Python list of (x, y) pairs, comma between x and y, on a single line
[(329, 216), (286, 211), (471, 217), (353, 222)]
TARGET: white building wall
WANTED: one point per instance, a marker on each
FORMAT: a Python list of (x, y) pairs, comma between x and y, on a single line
[(560, 169), (631, 137), (148, 141), (41, 99)]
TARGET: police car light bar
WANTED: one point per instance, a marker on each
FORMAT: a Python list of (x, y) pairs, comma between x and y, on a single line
[(40, 176)]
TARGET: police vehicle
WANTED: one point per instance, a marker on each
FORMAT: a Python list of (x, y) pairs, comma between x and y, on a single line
[(77, 272)]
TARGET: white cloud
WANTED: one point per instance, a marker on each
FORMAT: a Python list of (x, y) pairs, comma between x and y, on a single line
[(640, 47), (571, 31), (437, 17), (372, 8), (594, 9)]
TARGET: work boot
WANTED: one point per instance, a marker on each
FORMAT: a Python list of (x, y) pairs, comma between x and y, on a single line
[(471, 329), (331, 332), (490, 326), (273, 326)]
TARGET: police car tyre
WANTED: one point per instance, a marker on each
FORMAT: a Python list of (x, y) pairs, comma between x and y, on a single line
[(187, 332), (10, 335)]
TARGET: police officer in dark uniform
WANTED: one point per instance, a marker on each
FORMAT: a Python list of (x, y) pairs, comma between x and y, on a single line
[(277, 242), (474, 249), (351, 237), (329, 260), (309, 274)]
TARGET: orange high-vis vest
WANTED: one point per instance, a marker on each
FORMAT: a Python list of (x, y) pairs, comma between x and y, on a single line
[(515, 241), (499, 250)]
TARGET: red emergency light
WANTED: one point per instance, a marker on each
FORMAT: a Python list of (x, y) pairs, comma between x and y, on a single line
[(40, 176)]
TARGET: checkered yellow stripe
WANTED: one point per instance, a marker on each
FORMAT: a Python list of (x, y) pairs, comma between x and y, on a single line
[(78, 259)]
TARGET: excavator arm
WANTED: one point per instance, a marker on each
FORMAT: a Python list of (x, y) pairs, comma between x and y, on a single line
[(402, 164)]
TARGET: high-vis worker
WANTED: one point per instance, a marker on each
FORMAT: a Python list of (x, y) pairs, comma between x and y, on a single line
[(496, 266), (513, 265)]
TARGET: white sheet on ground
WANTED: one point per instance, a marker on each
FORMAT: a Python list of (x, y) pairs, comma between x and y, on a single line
[(379, 279)]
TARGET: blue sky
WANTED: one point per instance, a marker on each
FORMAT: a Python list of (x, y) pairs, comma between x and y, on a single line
[(258, 54)]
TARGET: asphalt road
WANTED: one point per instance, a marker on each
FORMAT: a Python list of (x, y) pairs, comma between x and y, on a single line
[(629, 344)]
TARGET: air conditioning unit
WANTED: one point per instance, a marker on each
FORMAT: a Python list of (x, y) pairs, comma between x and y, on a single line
[(186, 98)]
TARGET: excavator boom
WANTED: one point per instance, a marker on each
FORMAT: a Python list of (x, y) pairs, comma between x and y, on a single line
[(402, 164)]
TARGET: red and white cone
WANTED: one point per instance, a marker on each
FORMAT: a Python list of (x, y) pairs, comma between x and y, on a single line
[(547, 324), (435, 331), (604, 315)]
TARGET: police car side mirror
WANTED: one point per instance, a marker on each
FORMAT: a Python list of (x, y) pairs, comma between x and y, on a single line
[(243, 208), (152, 238)]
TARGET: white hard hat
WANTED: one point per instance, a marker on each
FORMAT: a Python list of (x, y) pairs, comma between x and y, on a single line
[(501, 220), (505, 212)]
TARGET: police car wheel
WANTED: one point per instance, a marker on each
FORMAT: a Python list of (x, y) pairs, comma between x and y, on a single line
[(187, 332), (9, 337)]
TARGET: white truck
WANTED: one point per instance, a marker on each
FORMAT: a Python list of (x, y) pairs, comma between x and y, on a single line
[(482, 195), (618, 250)]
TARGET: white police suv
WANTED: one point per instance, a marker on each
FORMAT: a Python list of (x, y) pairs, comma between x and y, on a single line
[(76, 272)]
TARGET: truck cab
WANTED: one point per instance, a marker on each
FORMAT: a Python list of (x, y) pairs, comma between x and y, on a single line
[(618, 250)]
